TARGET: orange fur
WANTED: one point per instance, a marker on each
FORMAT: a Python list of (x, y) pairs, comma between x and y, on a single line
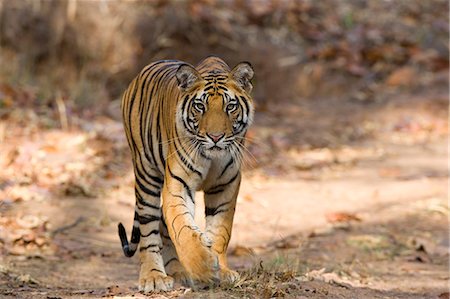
[(186, 128)]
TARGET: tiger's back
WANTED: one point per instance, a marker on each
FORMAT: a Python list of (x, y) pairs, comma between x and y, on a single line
[(145, 105)]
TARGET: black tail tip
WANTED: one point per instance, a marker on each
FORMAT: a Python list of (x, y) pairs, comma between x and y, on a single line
[(124, 240), (121, 228), (122, 234)]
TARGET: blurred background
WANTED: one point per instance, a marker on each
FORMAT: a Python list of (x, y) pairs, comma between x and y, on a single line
[(349, 144)]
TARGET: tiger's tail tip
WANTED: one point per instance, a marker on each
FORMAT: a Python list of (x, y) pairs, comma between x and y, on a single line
[(124, 240)]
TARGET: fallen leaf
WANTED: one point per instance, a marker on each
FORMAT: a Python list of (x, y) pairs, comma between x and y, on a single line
[(402, 77), (445, 295), (337, 217)]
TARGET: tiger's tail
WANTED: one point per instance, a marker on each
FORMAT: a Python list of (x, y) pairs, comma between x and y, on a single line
[(130, 248)]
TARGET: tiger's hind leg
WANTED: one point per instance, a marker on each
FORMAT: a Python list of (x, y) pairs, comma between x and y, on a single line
[(152, 275), (172, 264)]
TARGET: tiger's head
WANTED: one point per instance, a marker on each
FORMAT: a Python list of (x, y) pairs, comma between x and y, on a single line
[(216, 108)]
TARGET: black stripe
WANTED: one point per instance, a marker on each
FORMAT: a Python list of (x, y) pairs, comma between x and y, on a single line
[(148, 218), (146, 190), (215, 77), (173, 222), (183, 108), (186, 156), (176, 195), (214, 191), (213, 211), (158, 134), (219, 188), (226, 167), (154, 64), (247, 107), (204, 156), (128, 100), (141, 175), (178, 204), (185, 162), (175, 218), (208, 88), (142, 201), (169, 261), (153, 232), (135, 233), (149, 246), (130, 108), (182, 182), (156, 179), (188, 226)]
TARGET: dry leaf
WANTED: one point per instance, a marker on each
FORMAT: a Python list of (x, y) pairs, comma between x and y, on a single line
[(338, 217), (445, 295), (402, 77)]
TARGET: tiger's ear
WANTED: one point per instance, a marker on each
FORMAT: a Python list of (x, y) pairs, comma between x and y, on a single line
[(242, 74), (186, 76)]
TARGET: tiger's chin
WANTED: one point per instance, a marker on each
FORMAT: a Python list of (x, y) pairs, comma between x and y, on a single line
[(216, 152)]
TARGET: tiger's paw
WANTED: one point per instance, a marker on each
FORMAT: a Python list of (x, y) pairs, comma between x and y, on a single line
[(176, 270), (183, 278), (228, 276), (154, 281), (200, 262)]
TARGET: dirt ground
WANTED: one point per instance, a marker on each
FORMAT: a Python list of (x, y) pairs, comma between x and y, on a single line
[(340, 199)]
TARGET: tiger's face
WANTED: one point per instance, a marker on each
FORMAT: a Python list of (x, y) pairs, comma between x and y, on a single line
[(216, 109)]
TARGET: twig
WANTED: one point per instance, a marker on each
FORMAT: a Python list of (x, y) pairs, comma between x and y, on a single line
[(62, 113), (67, 227)]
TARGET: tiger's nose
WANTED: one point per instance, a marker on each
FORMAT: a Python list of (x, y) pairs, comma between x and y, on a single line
[(215, 136)]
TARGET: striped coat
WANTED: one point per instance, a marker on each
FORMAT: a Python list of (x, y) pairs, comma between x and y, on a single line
[(186, 128)]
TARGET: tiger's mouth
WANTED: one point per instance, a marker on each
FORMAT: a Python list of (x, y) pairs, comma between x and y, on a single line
[(215, 148), (211, 149), (215, 151)]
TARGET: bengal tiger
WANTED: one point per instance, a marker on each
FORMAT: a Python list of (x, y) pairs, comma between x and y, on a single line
[(186, 128)]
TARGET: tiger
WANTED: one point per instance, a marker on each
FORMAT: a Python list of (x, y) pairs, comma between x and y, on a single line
[(186, 129)]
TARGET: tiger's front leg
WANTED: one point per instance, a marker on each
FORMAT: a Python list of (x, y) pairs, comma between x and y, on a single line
[(193, 247), (220, 205)]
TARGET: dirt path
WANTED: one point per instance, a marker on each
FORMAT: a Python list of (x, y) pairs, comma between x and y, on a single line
[(356, 218)]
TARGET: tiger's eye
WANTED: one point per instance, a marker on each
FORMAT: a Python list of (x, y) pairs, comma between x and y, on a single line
[(231, 107), (199, 106)]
